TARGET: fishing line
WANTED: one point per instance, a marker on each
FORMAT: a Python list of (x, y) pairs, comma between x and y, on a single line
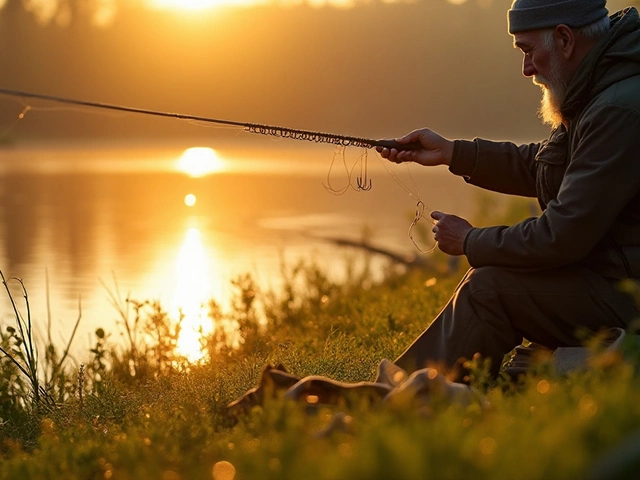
[(21, 115), (420, 205), (363, 182), (198, 123), (338, 151), (33, 108)]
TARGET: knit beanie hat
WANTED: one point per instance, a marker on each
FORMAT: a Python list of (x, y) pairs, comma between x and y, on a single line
[(528, 15)]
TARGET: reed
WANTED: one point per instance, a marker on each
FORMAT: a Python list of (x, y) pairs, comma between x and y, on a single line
[(48, 379), (23, 352)]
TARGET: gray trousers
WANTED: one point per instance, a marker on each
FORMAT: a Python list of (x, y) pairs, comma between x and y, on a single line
[(494, 308)]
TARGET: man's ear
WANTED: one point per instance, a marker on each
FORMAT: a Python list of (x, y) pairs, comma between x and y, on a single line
[(565, 39)]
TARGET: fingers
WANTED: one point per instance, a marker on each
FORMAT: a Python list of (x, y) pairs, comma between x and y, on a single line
[(436, 215), (402, 155), (392, 154), (383, 151), (410, 137)]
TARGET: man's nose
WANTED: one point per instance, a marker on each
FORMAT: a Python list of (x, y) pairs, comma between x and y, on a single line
[(528, 70)]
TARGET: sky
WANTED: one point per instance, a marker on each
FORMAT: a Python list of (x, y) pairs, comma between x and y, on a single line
[(371, 68)]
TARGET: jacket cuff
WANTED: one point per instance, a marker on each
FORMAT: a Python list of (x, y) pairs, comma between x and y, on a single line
[(463, 160), (466, 244)]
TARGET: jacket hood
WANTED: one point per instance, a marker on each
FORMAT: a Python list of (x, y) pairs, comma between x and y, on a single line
[(614, 58)]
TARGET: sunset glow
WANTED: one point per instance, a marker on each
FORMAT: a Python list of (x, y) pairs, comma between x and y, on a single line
[(200, 161), (198, 5), (202, 5)]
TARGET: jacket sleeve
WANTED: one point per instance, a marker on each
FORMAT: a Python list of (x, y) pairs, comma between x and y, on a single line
[(600, 181), (498, 166)]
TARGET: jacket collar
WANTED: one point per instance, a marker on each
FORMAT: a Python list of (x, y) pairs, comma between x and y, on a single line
[(614, 58)]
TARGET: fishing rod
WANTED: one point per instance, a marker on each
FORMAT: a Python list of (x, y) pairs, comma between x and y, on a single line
[(284, 132)]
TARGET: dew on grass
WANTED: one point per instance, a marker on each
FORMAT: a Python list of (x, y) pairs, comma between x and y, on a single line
[(274, 465), (587, 406), (345, 450), (223, 470), (171, 475), (252, 445), (543, 387), (488, 446), (47, 425)]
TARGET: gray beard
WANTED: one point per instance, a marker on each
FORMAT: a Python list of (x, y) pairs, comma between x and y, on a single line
[(554, 93), (550, 104)]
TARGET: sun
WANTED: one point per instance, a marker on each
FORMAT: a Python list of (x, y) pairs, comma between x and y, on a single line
[(182, 4), (200, 161), (190, 200), (195, 5)]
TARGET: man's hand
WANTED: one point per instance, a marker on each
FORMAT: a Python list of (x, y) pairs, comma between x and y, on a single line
[(450, 231), (436, 150)]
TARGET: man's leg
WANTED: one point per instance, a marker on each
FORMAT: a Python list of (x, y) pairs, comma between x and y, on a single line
[(493, 308)]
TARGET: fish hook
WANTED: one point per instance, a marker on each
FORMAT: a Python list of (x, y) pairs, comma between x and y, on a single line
[(362, 184)]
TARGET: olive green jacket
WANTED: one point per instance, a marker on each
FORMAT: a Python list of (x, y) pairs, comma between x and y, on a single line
[(586, 177)]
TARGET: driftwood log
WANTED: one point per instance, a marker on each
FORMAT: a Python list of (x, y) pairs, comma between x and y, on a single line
[(407, 260)]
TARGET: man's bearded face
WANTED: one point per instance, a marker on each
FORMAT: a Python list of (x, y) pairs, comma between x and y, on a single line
[(554, 90)]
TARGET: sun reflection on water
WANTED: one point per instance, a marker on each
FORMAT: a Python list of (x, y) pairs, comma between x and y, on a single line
[(195, 285)]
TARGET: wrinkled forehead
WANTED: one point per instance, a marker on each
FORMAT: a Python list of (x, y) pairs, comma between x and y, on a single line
[(527, 40)]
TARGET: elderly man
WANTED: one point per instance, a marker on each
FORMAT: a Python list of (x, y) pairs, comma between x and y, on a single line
[(550, 277)]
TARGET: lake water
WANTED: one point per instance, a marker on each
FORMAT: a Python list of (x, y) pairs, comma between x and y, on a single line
[(92, 217)]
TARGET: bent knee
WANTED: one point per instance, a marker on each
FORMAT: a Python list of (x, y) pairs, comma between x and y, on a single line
[(487, 278)]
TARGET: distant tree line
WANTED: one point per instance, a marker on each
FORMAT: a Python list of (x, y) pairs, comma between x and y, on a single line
[(64, 12), (100, 13)]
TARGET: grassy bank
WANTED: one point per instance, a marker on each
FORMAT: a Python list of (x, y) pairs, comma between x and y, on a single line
[(136, 410)]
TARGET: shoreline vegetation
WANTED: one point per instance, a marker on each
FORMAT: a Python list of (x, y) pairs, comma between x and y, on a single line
[(138, 410), (134, 407)]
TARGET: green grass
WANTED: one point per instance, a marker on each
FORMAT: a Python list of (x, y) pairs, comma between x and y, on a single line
[(137, 411)]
